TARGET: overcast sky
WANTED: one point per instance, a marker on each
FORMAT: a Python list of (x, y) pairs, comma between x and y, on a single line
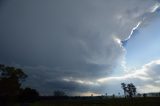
[(82, 47)]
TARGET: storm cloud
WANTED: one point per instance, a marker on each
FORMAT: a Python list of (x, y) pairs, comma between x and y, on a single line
[(68, 44)]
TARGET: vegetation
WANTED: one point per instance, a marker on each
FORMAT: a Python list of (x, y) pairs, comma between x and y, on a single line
[(97, 101), (129, 90), (59, 93), (28, 95), (11, 79)]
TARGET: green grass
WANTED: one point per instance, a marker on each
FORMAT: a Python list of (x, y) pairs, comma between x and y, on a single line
[(101, 102)]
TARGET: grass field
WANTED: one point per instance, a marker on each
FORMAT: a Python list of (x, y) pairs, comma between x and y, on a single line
[(99, 102)]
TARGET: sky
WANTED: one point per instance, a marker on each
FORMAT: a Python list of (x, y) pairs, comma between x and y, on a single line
[(82, 47)]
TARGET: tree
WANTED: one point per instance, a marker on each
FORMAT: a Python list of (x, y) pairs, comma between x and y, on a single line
[(123, 85), (59, 93), (139, 95), (10, 80), (119, 94), (144, 95), (106, 94), (28, 95), (129, 89)]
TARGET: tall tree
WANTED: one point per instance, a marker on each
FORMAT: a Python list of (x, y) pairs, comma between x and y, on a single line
[(28, 95), (10, 80), (123, 85), (129, 89), (59, 93)]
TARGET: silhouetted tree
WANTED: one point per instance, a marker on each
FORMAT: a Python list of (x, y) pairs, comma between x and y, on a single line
[(28, 95), (119, 94), (123, 85), (106, 94), (139, 95), (113, 96), (59, 93), (129, 89), (10, 83), (144, 95), (10, 80)]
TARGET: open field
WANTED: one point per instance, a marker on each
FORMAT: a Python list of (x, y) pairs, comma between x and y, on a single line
[(152, 101)]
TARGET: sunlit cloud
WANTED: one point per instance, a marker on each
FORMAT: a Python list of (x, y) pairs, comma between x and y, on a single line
[(84, 82), (155, 7), (146, 78), (148, 88)]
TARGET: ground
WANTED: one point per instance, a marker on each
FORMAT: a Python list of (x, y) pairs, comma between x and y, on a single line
[(152, 101)]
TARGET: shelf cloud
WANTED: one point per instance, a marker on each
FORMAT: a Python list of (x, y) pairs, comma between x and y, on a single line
[(69, 44)]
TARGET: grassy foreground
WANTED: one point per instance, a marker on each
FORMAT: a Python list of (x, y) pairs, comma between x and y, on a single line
[(154, 101)]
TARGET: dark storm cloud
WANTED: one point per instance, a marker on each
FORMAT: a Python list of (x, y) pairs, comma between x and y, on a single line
[(53, 35), (53, 40)]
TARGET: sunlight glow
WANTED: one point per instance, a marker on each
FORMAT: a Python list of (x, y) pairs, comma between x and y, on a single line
[(84, 82)]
